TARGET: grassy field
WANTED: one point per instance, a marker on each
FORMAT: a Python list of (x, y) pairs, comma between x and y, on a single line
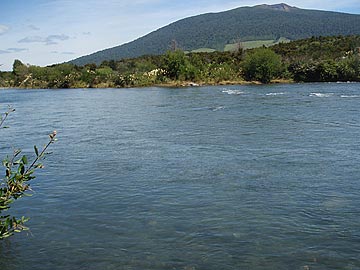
[(246, 45), (255, 44), (203, 50)]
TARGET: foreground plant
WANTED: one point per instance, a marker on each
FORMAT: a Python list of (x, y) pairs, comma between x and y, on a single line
[(15, 184)]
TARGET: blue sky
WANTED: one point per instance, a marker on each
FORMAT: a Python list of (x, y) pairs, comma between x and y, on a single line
[(44, 32)]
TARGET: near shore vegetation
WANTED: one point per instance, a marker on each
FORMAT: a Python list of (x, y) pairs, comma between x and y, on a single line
[(19, 171), (316, 59)]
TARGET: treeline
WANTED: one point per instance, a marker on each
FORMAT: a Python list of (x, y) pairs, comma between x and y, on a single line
[(174, 67), (317, 59), (322, 59)]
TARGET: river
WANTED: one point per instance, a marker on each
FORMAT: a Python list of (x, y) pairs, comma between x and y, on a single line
[(220, 177)]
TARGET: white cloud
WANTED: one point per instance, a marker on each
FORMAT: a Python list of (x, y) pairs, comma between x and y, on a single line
[(49, 40), (16, 50), (55, 39), (63, 53), (33, 27), (13, 50), (3, 29), (32, 39)]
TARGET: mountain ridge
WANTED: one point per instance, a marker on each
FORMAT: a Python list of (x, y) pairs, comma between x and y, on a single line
[(216, 30), (281, 7)]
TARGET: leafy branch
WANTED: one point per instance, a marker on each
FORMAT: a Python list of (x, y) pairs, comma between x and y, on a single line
[(15, 184), (6, 114)]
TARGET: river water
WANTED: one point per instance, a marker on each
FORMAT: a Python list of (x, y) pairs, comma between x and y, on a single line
[(222, 177)]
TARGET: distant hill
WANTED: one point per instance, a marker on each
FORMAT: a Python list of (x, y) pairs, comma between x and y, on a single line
[(213, 31)]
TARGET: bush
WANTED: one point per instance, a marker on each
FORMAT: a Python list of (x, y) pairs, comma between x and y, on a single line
[(261, 65)]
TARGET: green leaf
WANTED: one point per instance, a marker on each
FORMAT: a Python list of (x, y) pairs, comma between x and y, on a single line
[(24, 160), (36, 151), (39, 166), (21, 169)]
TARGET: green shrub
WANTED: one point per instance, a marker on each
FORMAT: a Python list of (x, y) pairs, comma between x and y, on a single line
[(261, 65)]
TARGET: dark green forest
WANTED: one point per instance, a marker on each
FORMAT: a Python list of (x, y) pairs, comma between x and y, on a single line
[(316, 59), (215, 30)]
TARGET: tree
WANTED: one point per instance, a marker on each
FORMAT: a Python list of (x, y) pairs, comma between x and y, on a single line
[(174, 63), (179, 66), (348, 69), (18, 172), (20, 71), (262, 65)]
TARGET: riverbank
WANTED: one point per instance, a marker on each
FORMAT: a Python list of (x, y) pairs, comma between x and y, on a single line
[(170, 84), (227, 82)]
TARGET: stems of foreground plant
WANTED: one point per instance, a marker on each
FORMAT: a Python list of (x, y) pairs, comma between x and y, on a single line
[(15, 184), (42, 153), (6, 114)]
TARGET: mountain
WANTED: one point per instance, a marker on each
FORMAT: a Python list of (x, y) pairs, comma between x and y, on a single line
[(216, 30)]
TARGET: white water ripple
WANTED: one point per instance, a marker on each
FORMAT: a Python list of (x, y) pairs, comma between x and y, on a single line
[(321, 95), (232, 92), (275, 94), (350, 96), (218, 108)]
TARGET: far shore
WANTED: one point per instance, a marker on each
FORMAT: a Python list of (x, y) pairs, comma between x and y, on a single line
[(238, 82), (172, 84), (180, 84)]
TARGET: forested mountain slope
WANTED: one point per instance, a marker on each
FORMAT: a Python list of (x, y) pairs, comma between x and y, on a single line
[(215, 30)]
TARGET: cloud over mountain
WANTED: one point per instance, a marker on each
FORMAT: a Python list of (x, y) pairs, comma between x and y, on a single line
[(49, 40), (13, 50)]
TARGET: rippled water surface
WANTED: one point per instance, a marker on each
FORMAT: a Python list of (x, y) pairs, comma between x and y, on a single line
[(235, 177)]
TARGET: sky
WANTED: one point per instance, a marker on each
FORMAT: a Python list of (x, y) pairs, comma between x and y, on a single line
[(45, 32)]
